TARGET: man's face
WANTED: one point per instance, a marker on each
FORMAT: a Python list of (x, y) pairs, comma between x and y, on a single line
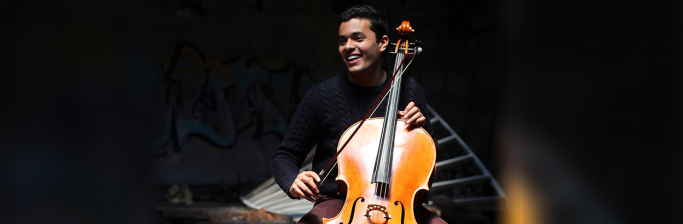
[(358, 45)]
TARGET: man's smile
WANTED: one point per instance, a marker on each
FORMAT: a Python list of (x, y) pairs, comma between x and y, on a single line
[(352, 59)]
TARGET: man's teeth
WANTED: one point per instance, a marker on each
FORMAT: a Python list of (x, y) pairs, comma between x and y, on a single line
[(352, 57)]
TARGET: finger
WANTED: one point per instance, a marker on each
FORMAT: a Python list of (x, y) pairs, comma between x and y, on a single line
[(303, 194), (410, 106), (408, 122), (296, 192), (414, 118), (307, 191), (309, 199), (413, 115), (313, 175), (300, 195), (420, 121), (311, 184)]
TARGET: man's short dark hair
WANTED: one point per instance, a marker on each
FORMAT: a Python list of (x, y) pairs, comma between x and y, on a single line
[(377, 22)]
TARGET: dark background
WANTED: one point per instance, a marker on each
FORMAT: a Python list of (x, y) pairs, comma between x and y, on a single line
[(590, 93)]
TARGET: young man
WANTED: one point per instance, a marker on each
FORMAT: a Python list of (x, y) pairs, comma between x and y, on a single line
[(330, 107)]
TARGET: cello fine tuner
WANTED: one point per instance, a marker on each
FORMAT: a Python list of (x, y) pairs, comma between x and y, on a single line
[(413, 47), (417, 50)]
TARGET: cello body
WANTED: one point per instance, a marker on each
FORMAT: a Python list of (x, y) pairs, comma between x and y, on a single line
[(412, 165)]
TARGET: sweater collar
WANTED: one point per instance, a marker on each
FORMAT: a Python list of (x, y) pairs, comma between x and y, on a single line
[(344, 76)]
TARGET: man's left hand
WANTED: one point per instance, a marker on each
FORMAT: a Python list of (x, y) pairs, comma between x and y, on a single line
[(413, 116)]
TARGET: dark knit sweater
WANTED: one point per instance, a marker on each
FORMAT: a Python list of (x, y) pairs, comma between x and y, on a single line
[(326, 111)]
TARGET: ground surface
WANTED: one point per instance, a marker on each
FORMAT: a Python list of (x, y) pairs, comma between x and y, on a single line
[(208, 212)]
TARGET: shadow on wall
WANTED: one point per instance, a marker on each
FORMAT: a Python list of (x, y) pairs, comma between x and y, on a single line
[(217, 101)]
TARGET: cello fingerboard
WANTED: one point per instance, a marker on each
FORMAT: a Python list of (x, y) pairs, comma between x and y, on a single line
[(382, 170)]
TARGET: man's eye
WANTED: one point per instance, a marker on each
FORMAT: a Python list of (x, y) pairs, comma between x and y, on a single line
[(342, 42), (359, 38)]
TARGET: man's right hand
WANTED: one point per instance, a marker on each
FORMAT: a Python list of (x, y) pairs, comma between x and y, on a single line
[(305, 186)]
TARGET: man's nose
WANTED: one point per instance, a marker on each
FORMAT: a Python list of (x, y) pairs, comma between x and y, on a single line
[(350, 45)]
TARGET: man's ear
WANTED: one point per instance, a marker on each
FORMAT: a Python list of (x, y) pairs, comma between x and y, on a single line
[(383, 43)]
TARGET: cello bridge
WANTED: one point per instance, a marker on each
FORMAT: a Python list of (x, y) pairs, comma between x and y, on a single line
[(379, 208)]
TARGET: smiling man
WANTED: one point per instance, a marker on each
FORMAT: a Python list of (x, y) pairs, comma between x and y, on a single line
[(333, 105), (362, 49)]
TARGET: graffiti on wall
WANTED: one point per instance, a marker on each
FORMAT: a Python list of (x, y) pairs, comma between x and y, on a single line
[(217, 101)]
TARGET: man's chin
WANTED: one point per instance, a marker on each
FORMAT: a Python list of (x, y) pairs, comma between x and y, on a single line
[(354, 68)]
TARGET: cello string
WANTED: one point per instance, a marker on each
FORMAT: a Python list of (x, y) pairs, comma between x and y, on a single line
[(384, 191), (392, 86), (373, 111), (387, 140), (386, 136), (391, 152), (390, 133), (380, 163), (324, 170)]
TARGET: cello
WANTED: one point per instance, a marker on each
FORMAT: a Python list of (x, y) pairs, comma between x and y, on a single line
[(384, 169)]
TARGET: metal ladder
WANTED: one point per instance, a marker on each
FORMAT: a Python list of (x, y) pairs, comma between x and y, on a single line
[(270, 197), (468, 156)]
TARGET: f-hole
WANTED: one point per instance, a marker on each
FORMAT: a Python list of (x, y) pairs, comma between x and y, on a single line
[(403, 211), (353, 209)]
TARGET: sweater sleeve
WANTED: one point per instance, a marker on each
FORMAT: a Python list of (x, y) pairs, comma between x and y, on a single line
[(297, 142)]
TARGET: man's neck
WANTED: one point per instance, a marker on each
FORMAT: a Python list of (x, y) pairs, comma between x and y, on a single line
[(370, 78)]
